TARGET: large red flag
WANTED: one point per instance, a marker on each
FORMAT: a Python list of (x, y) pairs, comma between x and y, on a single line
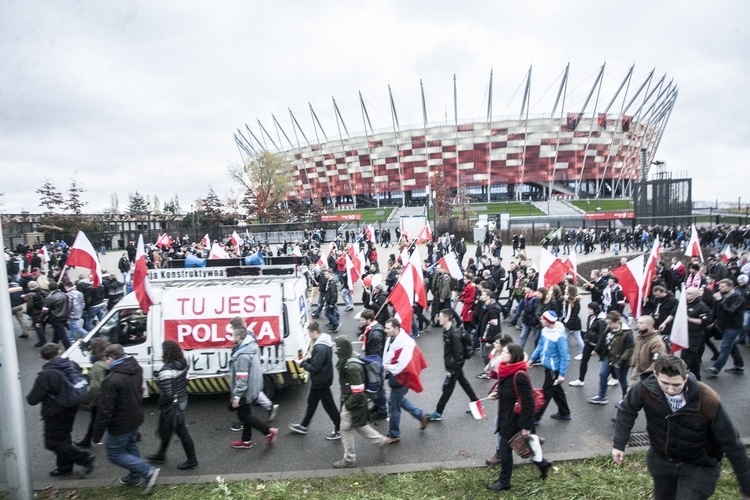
[(630, 275), (726, 254), (694, 246), (572, 264), (424, 235), (141, 285), (551, 269), (650, 271), (404, 360), (449, 263), (403, 293), (82, 254)]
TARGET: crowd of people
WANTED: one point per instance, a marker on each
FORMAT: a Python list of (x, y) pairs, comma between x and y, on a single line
[(470, 313)]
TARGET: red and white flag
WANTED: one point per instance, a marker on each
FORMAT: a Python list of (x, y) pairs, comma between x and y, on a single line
[(82, 254), (402, 296), (236, 242), (323, 259), (44, 255), (694, 246), (369, 233), (551, 269), (164, 241), (449, 262), (726, 254), (424, 235), (217, 252), (630, 276), (650, 271), (403, 359), (679, 335), (572, 264), (477, 410), (141, 285), (206, 241)]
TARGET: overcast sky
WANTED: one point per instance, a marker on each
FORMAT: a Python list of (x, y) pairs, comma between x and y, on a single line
[(146, 96)]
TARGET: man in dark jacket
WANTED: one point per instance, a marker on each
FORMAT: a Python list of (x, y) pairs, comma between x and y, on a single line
[(320, 367), (58, 419), (688, 429), (453, 357), (699, 317), (331, 300), (120, 413), (488, 326), (56, 312), (373, 338), (665, 307), (728, 310)]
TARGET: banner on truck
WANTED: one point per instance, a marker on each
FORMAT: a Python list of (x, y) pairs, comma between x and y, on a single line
[(198, 318)]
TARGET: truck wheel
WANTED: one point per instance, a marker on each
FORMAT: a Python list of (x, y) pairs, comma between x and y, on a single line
[(269, 387)]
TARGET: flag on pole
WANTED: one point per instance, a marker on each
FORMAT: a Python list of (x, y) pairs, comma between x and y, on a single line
[(402, 296), (369, 233), (449, 262), (694, 246), (572, 264), (236, 242), (164, 241), (679, 335), (630, 276), (650, 271), (217, 252), (726, 254), (206, 241), (405, 361), (82, 254), (44, 255), (141, 285), (323, 260), (551, 269), (555, 233), (477, 410), (425, 234)]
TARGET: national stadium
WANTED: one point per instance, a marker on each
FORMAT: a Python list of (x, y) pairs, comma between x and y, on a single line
[(598, 145)]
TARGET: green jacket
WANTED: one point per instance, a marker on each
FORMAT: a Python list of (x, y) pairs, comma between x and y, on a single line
[(96, 375), (352, 379)]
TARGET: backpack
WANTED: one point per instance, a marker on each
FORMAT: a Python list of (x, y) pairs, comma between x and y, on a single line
[(38, 300), (374, 374), (466, 341), (74, 389)]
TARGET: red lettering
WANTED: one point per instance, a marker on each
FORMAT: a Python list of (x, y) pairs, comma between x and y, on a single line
[(233, 304), (249, 304), (181, 301)]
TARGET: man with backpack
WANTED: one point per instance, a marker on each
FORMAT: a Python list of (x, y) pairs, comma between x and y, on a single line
[(54, 389), (320, 367), (456, 348), (373, 338)]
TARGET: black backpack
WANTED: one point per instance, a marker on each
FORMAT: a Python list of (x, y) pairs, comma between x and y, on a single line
[(374, 373), (74, 389)]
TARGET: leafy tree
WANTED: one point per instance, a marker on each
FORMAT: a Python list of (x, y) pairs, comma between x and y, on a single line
[(137, 204), (211, 210), (267, 177), (233, 205), (49, 197), (169, 207), (74, 203)]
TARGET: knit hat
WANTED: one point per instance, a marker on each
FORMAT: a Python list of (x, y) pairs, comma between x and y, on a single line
[(549, 317)]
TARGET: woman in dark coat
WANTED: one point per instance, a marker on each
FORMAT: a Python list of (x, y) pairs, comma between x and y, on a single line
[(513, 376)]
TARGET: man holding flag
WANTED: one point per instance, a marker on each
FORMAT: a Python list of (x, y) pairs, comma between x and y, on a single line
[(402, 362)]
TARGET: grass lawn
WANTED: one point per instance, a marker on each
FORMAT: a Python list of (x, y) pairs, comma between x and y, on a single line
[(512, 207), (608, 205), (368, 214), (597, 478)]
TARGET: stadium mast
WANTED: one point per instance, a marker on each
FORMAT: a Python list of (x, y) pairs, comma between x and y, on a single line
[(525, 105), (626, 80), (317, 138), (396, 129), (598, 83), (339, 123), (365, 123)]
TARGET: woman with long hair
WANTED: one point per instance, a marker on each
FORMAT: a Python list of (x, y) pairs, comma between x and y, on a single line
[(571, 316), (514, 387), (173, 398), (96, 374)]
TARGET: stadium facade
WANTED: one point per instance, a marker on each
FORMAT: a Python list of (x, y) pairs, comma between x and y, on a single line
[(599, 149)]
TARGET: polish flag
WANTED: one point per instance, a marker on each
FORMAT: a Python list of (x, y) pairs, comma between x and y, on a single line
[(296, 252), (424, 235), (82, 254), (405, 234), (206, 241), (726, 254), (630, 275), (323, 259), (164, 241), (355, 264), (679, 335), (236, 242), (551, 269), (141, 285), (404, 255), (420, 291), (572, 264), (217, 252), (44, 255), (650, 271), (369, 233), (403, 359), (449, 262), (403, 293), (694, 246), (477, 410)]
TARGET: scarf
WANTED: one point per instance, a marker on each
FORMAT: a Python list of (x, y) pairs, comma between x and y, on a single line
[(509, 369)]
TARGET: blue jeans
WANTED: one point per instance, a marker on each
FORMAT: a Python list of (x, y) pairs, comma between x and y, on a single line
[(346, 294), (93, 313), (76, 330), (506, 461), (122, 450), (745, 327), (621, 374), (729, 346), (396, 401), (525, 331), (321, 303), (519, 310), (332, 313)]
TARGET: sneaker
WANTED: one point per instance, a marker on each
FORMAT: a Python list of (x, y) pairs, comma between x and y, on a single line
[(333, 435), (483, 376), (344, 464), (713, 372), (151, 478), (336, 328), (350, 308), (735, 369), (612, 382), (237, 426), (393, 440), (272, 412), (579, 357), (242, 445), (598, 400), (519, 327), (298, 428), (436, 417), (576, 383), (557, 416), (617, 405), (88, 467), (60, 473), (271, 436), (127, 481)]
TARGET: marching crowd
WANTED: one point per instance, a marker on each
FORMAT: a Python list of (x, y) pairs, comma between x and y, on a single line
[(681, 411)]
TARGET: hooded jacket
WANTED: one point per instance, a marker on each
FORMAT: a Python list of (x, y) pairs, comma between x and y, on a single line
[(320, 363), (47, 384), (245, 373), (120, 407), (648, 347), (552, 350), (453, 349), (352, 379)]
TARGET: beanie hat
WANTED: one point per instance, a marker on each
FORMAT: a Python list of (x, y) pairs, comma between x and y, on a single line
[(549, 316)]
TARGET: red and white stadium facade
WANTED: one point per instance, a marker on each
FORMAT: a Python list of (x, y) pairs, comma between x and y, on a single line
[(559, 153)]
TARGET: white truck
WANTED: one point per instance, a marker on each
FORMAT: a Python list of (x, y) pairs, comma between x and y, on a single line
[(193, 306)]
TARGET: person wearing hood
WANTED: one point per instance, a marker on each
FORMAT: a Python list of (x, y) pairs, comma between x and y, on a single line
[(246, 379), (120, 414), (595, 327), (354, 414), (689, 431), (552, 352), (58, 419), (320, 367), (615, 349), (648, 348)]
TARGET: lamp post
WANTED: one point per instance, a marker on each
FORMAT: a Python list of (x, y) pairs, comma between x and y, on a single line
[(149, 222)]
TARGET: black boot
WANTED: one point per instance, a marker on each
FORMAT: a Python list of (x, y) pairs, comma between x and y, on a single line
[(544, 466), (192, 461), (160, 456)]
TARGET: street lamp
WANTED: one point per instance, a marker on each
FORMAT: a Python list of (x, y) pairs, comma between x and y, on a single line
[(149, 221)]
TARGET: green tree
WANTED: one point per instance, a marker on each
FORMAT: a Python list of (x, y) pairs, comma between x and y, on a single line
[(74, 202), (137, 204), (169, 207), (267, 177), (49, 197), (210, 209)]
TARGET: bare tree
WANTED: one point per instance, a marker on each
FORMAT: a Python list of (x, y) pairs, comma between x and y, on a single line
[(49, 197), (267, 179), (74, 202), (114, 203)]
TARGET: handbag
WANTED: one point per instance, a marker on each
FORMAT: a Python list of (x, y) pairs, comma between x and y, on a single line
[(520, 445), (537, 394)]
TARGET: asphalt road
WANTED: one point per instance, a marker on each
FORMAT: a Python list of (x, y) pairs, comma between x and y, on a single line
[(458, 437)]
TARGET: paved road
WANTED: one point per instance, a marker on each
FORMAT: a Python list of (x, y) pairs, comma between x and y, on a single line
[(458, 437)]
